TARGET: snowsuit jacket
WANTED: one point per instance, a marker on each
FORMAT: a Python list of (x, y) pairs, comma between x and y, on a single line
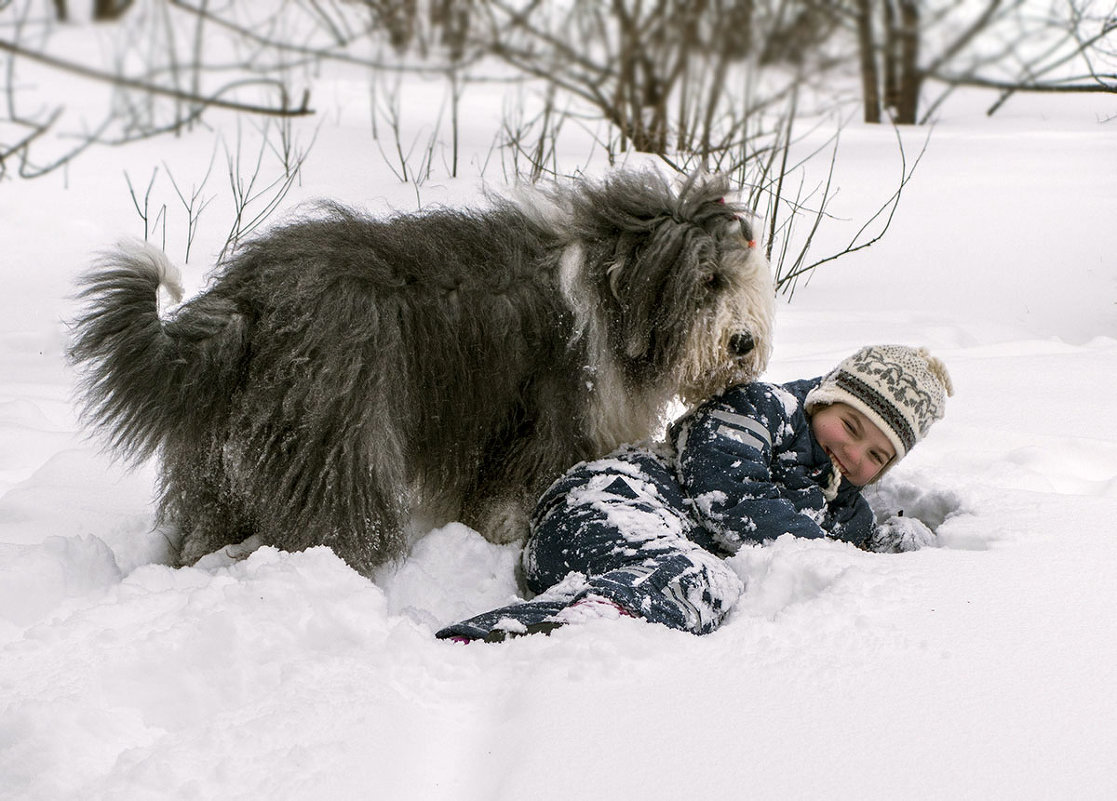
[(752, 470)]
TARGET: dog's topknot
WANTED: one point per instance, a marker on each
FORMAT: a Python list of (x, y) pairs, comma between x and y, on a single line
[(638, 200)]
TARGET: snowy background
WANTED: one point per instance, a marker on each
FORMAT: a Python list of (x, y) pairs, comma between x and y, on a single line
[(984, 668)]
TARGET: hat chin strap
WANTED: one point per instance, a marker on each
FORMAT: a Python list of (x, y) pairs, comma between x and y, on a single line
[(830, 491)]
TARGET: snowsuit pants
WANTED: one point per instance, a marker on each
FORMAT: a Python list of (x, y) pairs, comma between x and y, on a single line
[(617, 528)]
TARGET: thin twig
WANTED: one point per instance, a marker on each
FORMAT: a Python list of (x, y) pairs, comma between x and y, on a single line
[(284, 110)]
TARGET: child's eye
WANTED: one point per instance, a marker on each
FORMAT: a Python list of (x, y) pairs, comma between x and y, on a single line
[(849, 426), (877, 457)]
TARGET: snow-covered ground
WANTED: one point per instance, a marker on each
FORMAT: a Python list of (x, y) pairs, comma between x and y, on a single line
[(984, 668)]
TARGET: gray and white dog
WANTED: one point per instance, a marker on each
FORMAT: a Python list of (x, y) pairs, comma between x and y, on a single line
[(342, 373)]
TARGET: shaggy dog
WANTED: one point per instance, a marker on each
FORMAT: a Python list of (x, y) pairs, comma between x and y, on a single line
[(341, 373)]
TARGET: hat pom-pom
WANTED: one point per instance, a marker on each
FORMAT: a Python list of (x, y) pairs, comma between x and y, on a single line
[(936, 366)]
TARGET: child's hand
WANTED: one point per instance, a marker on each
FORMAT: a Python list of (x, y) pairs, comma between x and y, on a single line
[(900, 534)]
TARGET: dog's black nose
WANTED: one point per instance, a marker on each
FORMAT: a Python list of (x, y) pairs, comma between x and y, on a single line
[(741, 344)]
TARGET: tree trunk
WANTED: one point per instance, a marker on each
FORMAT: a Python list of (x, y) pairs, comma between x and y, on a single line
[(906, 102), (890, 56), (106, 10), (870, 78)]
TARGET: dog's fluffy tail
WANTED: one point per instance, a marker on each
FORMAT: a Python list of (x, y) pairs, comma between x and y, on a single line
[(144, 378)]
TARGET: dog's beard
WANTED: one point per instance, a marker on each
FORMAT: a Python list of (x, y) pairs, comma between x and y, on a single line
[(714, 372), (701, 387), (710, 368)]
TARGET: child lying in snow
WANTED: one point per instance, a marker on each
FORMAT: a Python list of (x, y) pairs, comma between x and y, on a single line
[(643, 531)]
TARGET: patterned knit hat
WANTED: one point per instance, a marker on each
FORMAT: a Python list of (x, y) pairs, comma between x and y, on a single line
[(900, 388)]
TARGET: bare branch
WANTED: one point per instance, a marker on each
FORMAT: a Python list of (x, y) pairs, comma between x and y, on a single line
[(216, 101), (887, 209), (335, 52)]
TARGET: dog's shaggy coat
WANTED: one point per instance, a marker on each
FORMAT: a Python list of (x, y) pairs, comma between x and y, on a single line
[(342, 372)]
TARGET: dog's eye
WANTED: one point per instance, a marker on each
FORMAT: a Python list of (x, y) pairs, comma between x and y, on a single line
[(713, 281)]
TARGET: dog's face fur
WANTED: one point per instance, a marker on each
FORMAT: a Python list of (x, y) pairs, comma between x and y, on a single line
[(687, 297), (734, 307)]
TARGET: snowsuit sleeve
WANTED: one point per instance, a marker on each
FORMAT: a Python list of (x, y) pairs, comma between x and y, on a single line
[(743, 462), (849, 517)]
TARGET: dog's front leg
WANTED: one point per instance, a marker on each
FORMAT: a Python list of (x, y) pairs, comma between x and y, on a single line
[(500, 516)]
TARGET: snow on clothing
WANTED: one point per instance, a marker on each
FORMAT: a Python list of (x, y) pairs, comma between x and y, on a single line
[(647, 529), (616, 528)]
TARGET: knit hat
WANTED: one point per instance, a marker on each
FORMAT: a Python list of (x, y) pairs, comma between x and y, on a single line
[(901, 389)]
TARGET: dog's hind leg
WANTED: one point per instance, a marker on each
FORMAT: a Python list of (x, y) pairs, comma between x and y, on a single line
[(199, 502), (375, 535), (323, 487)]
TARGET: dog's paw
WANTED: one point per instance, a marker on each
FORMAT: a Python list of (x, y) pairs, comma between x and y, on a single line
[(201, 552)]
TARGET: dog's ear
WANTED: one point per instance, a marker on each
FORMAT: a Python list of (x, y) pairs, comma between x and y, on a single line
[(633, 286)]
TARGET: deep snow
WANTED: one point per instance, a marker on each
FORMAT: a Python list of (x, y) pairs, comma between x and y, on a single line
[(984, 668)]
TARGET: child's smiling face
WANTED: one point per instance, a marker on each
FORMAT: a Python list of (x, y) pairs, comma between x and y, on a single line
[(858, 448)]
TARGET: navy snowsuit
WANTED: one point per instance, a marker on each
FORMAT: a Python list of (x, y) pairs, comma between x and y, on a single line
[(647, 528)]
